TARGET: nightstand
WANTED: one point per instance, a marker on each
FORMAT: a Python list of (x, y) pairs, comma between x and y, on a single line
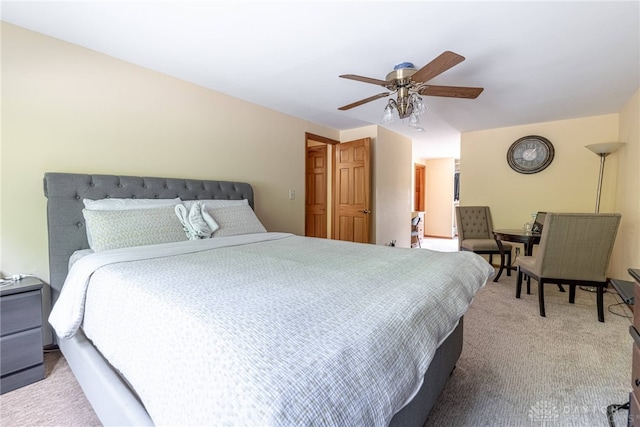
[(21, 353)]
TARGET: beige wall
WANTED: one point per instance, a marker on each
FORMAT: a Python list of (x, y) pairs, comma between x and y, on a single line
[(568, 184), (69, 109), (439, 213), (626, 253), (393, 170)]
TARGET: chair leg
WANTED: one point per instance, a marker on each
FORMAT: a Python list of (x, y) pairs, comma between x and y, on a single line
[(541, 297), (491, 259), (508, 263), (528, 285), (518, 283), (572, 293), (600, 303)]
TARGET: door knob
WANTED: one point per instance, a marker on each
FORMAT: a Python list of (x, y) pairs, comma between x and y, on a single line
[(365, 211)]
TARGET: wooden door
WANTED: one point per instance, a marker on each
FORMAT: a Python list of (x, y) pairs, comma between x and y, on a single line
[(419, 184), (316, 192), (352, 192)]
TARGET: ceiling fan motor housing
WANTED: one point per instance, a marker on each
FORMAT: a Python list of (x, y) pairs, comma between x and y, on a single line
[(401, 74)]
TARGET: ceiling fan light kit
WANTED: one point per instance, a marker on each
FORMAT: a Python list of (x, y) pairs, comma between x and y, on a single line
[(410, 106), (408, 84)]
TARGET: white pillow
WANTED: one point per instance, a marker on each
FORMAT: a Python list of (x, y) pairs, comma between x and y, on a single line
[(234, 220), (216, 203), (114, 229), (123, 204)]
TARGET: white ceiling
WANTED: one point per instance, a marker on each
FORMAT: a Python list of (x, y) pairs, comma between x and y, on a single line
[(537, 61)]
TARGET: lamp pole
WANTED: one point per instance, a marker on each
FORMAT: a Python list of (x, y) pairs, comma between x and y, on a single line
[(602, 157), (603, 150)]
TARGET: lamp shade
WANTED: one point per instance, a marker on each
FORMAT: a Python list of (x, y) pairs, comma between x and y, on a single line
[(605, 147)]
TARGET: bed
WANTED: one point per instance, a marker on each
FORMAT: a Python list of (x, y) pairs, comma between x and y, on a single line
[(249, 327)]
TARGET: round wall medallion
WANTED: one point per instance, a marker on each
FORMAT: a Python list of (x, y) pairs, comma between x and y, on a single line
[(530, 154)]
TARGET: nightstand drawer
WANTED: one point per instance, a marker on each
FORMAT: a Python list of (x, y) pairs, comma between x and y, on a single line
[(634, 411), (21, 350), (21, 378), (636, 297), (19, 312), (635, 371)]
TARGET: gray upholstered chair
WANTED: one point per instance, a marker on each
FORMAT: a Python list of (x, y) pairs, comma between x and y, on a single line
[(574, 249), (475, 233)]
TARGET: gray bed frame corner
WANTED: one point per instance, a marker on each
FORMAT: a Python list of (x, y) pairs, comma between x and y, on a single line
[(112, 399)]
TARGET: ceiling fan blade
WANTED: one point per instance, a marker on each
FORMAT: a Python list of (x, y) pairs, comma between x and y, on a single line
[(365, 79), (364, 101), (451, 91), (439, 65)]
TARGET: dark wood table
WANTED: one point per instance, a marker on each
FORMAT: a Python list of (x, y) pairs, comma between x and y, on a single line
[(517, 235)]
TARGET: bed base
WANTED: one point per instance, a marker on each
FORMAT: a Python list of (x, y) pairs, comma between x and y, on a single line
[(113, 401), (415, 413)]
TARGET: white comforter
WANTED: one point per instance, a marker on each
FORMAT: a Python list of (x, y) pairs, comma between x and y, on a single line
[(270, 328)]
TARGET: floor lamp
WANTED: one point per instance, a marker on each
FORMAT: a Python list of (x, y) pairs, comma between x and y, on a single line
[(603, 150)]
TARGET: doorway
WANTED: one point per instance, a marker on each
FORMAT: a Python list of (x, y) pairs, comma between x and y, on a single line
[(338, 193), (316, 191), (318, 157), (419, 187)]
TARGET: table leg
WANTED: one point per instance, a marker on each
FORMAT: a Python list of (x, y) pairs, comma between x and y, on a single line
[(495, 279), (528, 249)]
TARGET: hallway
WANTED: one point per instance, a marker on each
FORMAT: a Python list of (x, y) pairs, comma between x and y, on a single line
[(440, 244)]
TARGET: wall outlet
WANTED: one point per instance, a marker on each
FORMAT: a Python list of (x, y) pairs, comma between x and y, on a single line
[(517, 251)]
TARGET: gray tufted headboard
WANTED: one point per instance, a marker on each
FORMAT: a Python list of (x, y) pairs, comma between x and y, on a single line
[(65, 192)]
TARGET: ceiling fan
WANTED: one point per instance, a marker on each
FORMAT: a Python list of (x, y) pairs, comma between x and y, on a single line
[(409, 83)]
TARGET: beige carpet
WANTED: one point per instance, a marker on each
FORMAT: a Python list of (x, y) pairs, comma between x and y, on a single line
[(57, 400), (520, 369), (516, 369)]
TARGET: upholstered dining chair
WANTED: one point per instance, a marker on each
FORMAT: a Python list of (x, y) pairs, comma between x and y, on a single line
[(575, 249), (475, 233)]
